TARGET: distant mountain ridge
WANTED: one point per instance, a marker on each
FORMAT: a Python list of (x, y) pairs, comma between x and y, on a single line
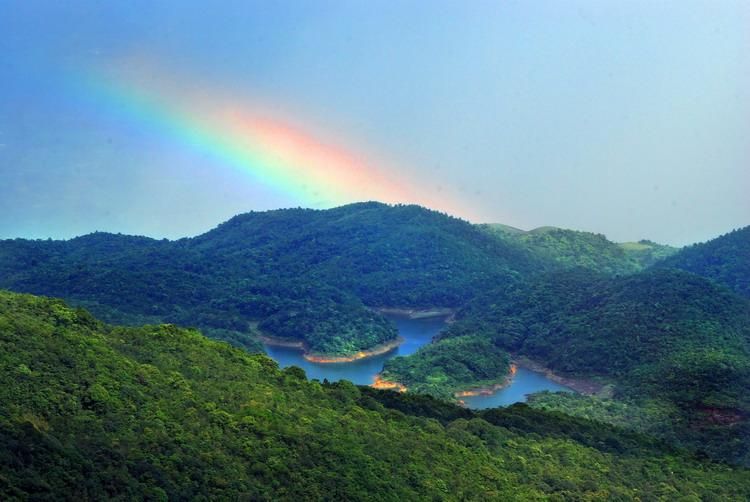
[(725, 259), (292, 273), (305, 273), (360, 247), (574, 248)]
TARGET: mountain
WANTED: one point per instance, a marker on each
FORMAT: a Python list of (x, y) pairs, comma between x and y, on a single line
[(296, 273), (672, 343), (646, 252), (134, 280), (725, 259), (660, 334), (386, 255), (572, 248), (90, 411)]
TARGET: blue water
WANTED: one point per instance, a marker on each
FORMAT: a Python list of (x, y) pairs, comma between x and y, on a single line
[(416, 332), (524, 382)]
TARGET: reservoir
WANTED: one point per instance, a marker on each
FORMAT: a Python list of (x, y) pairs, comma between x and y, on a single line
[(524, 382), (415, 332)]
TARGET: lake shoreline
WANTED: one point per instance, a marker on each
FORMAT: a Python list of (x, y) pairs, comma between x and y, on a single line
[(486, 390), (377, 350), (381, 383), (584, 386), (480, 390)]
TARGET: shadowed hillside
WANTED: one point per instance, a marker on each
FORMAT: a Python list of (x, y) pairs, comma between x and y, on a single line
[(92, 412), (661, 334), (294, 273), (725, 259)]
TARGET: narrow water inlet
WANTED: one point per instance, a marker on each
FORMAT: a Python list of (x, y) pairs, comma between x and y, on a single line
[(416, 333)]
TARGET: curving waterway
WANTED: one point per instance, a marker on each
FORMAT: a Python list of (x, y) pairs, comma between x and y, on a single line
[(524, 382), (415, 332)]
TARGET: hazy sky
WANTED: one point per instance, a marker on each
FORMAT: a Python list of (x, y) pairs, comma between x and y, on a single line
[(626, 118)]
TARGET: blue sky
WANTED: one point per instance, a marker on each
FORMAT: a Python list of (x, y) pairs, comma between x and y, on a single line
[(627, 118)]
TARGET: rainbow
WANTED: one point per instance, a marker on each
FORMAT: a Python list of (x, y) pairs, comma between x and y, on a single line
[(277, 155)]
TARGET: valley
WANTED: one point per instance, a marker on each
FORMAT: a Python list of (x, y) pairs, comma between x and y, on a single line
[(507, 328), (352, 251), (414, 331), (160, 412)]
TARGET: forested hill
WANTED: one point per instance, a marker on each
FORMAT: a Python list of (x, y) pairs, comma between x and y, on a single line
[(665, 335), (573, 248), (95, 412), (298, 273), (386, 255), (725, 259)]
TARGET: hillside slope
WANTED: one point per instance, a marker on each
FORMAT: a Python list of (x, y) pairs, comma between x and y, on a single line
[(92, 412), (662, 334), (386, 255), (296, 273), (725, 259), (573, 248)]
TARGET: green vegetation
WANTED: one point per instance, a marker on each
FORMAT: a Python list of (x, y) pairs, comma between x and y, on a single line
[(663, 334), (725, 260), (582, 323), (93, 412), (648, 416), (647, 253), (442, 368), (330, 326), (571, 248), (387, 256), (295, 273), (675, 345)]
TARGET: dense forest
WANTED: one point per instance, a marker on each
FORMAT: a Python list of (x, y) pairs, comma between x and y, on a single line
[(662, 335), (725, 259), (90, 411), (450, 365), (572, 248), (301, 273), (672, 344)]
